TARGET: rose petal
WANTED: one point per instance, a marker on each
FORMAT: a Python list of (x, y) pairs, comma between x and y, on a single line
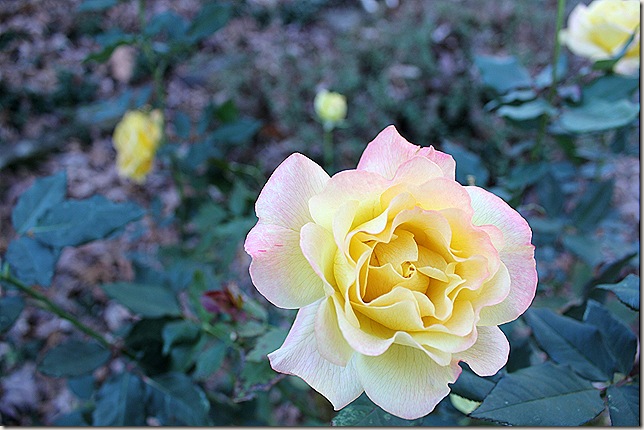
[(490, 352), (364, 335), (363, 187), (319, 249), (397, 310), (417, 170), (517, 253), (404, 381), (279, 270), (284, 200), (331, 344), (300, 356), (389, 150)]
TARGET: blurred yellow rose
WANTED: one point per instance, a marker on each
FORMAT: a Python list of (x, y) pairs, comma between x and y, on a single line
[(330, 107), (136, 139), (600, 30)]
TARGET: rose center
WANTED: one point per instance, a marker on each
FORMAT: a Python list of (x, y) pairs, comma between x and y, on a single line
[(408, 269)]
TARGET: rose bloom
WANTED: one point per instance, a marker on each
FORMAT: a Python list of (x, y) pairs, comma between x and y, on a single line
[(136, 139), (330, 107), (600, 30), (398, 272)]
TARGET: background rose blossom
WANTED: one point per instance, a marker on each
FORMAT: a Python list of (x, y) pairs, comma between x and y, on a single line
[(399, 273), (600, 31), (136, 139)]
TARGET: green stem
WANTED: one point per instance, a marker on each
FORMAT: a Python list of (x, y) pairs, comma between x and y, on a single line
[(327, 150), (54, 308), (537, 151), (561, 8)]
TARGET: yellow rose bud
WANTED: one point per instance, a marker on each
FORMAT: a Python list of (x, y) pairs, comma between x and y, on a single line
[(136, 139), (600, 30), (330, 107)]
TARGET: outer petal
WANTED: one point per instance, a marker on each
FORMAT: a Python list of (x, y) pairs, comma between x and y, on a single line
[(299, 356), (389, 150), (363, 187), (332, 345), (490, 352), (404, 381), (284, 200), (516, 252), (279, 270), (319, 249)]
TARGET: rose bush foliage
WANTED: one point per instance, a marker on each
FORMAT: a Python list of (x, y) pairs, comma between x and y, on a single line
[(600, 30), (398, 271)]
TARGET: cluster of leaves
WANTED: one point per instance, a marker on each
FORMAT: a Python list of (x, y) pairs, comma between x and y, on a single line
[(46, 222), (586, 103)]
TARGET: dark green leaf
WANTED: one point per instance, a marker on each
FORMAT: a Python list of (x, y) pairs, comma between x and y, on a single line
[(44, 194), (10, 309), (611, 88), (527, 111), (502, 73), (627, 291), (543, 395), (624, 405), (593, 206), (169, 23), (147, 300), (75, 418), (585, 247), (119, 402), (363, 413), (240, 131), (568, 341), (182, 125), (620, 340), (596, 115), (250, 329), (611, 272), (467, 163), (145, 341), (177, 332), (254, 377), (31, 261), (550, 195), (110, 109), (267, 343), (175, 400), (82, 386), (525, 174), (471, 386), (105, 111), (75, 222), (212, 17), (96, 5), (544, 78), (199, 153), (210, 360), (227, 111), (74, 358)]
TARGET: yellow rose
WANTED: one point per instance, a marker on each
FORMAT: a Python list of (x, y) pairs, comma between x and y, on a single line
[(398, 271), (136, 139), (330, 107), (600, 30)]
